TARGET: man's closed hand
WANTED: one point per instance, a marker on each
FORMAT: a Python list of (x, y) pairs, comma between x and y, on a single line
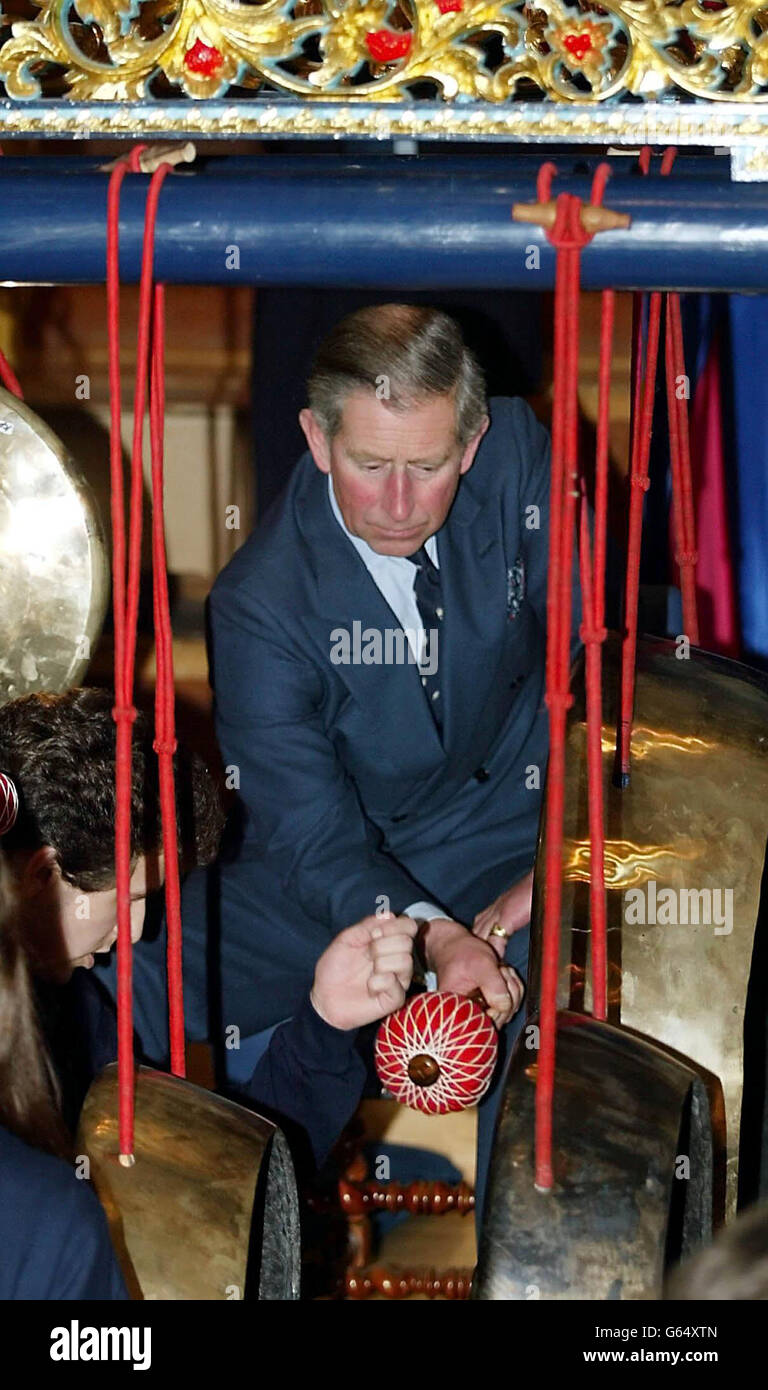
[(365, 972), (463, 963)]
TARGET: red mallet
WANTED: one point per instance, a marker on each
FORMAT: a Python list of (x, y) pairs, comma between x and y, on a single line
[(437, 1053), (9, 804)]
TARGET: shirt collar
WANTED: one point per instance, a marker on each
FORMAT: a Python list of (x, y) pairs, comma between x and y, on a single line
[(372, 558)]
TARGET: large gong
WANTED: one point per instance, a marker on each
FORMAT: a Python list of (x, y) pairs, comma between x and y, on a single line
[(690, 830), (658, 1112), (210, 1209), (53, 559)]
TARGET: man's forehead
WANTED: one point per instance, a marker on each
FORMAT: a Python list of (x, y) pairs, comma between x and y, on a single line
[(369, 429)]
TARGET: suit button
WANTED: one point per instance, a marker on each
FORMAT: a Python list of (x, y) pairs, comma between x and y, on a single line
[(481, 775)]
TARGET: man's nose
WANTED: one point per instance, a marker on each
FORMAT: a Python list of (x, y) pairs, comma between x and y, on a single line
[(399, 495)]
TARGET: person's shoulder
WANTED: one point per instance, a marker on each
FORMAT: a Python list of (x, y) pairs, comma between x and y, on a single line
[(512, 420), (53, 1232), (272, 551), (513, 443)]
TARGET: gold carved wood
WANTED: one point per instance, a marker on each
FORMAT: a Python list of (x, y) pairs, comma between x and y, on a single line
[(492, 51)]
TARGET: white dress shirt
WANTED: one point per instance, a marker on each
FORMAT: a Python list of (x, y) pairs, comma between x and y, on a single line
[(394, 577)]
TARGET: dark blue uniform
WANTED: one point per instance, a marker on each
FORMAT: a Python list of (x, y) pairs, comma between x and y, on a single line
[(54, 1240)]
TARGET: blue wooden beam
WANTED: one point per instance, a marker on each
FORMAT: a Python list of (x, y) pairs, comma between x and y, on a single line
[(377, 222)]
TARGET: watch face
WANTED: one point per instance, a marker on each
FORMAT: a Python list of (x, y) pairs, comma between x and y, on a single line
[(54, 572)]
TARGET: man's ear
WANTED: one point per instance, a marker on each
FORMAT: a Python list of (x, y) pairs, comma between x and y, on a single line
[(468, 457), (316, 440), (39, 873)]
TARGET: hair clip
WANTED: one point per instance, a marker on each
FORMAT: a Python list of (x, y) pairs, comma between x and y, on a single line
[(9, 803)]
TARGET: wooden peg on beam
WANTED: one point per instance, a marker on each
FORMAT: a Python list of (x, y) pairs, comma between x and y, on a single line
[(593, 219), (153, 156)]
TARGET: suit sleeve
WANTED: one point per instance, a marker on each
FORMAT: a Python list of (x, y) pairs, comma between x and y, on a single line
[(533, 501), (303, 810), (313, 1075)]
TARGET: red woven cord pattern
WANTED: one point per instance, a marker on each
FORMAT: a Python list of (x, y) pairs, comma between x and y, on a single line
[(9, 803), (452, 1029)]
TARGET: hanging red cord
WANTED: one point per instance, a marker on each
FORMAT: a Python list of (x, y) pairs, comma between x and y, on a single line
[(683, 518), (151, 326), (124, 712), (642, 425), (593, 633), (125, 604), (642, 430), (568, 236), (8, 377), (569, 226), (165, 719)]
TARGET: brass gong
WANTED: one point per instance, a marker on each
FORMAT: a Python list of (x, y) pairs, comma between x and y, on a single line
[(666, 1076), (211, 1197), (694, 818), (54, 571)]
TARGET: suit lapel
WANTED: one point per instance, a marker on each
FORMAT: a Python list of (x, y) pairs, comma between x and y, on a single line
[(475, 613)]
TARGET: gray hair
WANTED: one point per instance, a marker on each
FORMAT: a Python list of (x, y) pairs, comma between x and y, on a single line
[(404, 353)]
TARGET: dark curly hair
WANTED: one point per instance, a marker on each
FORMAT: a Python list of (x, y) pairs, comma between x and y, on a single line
[(60, 751)]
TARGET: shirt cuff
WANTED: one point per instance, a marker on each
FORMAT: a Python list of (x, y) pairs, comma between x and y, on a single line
[(424, 912), (320, 1046)]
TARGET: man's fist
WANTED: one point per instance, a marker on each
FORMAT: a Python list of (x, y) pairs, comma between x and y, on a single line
[(463, 963), (365, 972)]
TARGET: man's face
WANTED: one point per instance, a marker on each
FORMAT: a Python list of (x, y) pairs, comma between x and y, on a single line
[(66, 926), (395, 473)]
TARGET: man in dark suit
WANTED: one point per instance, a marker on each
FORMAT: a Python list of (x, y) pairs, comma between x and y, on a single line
[(378, 665)]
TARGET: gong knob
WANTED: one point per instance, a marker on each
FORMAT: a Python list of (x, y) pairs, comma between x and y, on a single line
[(423, 1069)]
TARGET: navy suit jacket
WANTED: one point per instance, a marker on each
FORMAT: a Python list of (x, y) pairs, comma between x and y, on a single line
[(349, 795), (350, 799)]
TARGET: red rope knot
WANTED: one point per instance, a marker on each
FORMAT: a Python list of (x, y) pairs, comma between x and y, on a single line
[(165, 745), (687, 557), (123, 712), (592, 634), (567, 232), (637, 481), (558, 700)]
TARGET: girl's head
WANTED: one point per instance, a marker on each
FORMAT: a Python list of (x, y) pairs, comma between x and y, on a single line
[(59, 856)]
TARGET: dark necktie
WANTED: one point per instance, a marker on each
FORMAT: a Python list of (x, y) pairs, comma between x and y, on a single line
[(428, 593)]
